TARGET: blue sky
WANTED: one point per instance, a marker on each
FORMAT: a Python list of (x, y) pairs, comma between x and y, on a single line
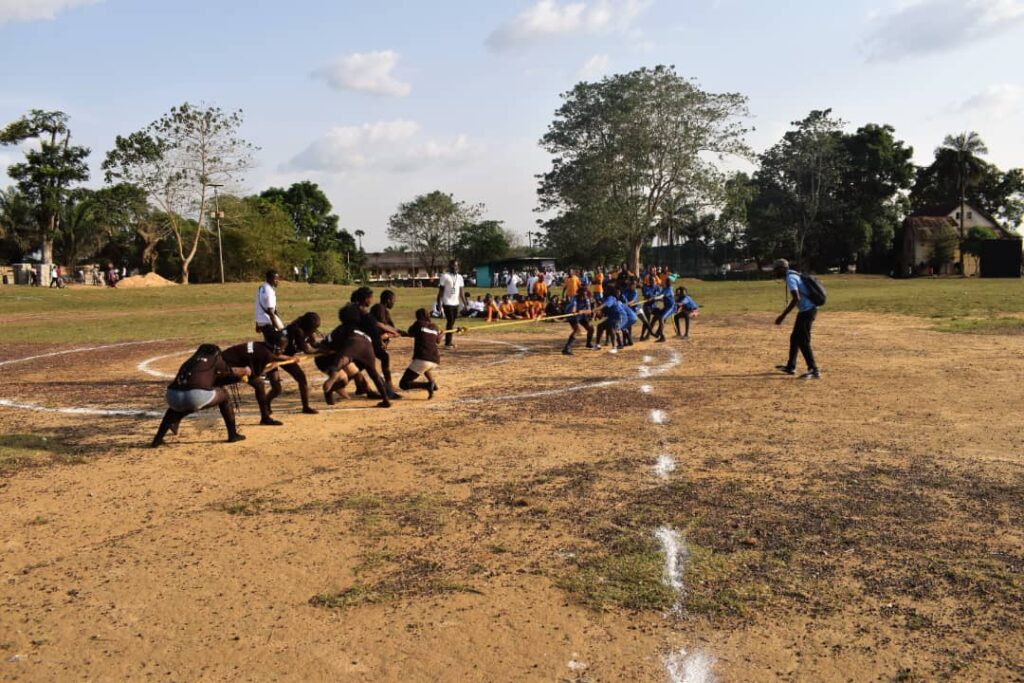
[(378, 102)]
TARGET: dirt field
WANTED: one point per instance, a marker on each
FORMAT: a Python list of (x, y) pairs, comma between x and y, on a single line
[(867, 527)]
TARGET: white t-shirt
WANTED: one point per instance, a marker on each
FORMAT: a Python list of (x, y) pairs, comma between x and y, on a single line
[(531, 282), (266, 300), (549, 277), (513, 284), (451, 284)]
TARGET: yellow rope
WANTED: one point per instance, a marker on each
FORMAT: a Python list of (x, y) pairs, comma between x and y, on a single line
[(491, 326)]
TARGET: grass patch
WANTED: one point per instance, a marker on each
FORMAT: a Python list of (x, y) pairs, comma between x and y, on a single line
[(223, 312), (19, 451), (1010, 326), (628, 575), (415, 577)]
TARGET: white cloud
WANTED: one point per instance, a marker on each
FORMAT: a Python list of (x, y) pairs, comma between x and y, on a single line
[(593, 68), (32, 10), (996, 101), (551, 19), (364, 71), (385, 145), (931, 26)]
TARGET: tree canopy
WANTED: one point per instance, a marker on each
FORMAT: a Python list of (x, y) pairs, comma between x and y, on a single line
[(176, 159), (632, 147)]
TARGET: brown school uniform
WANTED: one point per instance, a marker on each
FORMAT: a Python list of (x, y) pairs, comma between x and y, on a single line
[(253, 355), (425, 342), (348, 342), (205, 374)]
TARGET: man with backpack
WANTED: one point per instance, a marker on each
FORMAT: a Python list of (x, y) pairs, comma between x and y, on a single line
[(805, 294)]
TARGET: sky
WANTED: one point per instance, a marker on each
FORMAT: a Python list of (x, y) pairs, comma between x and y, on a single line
[(379, 102)]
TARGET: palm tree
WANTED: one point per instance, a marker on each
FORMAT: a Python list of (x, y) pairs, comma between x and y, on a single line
[(359, 236), (965, 148)]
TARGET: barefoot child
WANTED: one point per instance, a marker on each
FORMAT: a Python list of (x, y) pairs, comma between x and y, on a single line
[(425, 355)]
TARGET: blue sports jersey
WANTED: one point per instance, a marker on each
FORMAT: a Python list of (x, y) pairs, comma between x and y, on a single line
[(688, 303)]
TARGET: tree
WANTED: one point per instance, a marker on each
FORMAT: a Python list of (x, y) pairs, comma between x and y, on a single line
[(175, 160), (360, 234), (430, 226), (630, 146), (16, 225), (310, 212), (943, 247), (257, 235), (481, 242), (803, 171), (969, 168), (50, 168), (870, 198), (581, 240)]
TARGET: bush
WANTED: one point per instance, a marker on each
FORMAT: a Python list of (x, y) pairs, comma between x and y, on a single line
[(327, 267)]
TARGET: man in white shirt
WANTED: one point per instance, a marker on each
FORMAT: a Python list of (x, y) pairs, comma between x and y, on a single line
[(450, 297), (531, 282), (267, 320), (513, 284)]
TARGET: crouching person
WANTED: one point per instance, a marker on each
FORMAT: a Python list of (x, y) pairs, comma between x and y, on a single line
[(195, 388), (425, 355)]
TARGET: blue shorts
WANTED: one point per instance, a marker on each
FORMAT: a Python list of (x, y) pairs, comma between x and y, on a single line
[(669, 312)]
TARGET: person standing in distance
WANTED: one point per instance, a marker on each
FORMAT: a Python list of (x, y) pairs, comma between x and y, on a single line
[(268, 322), (450, 297), (800, 339)]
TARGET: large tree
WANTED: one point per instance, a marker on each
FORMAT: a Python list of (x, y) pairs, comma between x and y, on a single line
[(800, 177), (52, 166), (633, 146), (482, 242), (175, 160), (310, 211), (430, 226)]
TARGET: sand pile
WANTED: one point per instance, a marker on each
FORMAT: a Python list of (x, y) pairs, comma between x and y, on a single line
[(147, 280)]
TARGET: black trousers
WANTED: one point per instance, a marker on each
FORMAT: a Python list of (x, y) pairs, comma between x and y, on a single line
[(450, 314), (800, 339)]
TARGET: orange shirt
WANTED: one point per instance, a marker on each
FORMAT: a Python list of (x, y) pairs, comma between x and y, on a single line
[(541, 288), (507, 309), (599, 283), (571, 285)]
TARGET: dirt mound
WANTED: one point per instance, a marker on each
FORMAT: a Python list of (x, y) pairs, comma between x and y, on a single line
[(147, 280)]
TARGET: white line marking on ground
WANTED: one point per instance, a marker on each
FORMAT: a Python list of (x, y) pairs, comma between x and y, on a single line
[(644, 372), (80, 410), (144, 365), (693, 667), (664, 466), (82, 350), (658, 417), (646, 389), (676, 556), (648, 360), (674, 360)]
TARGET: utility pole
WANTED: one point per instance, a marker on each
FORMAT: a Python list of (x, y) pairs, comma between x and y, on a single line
[(529, 238), (217, 215)]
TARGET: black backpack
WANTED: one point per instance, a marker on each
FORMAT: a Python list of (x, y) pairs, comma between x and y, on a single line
[(815, 290)]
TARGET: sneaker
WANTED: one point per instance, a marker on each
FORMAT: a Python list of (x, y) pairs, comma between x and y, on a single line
[(567, 351), (786, 369), (590, 346), (659, 340), (596, 347), (310, 411), (811, 374)]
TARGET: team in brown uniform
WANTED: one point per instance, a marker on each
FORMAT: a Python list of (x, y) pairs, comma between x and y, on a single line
[(425, 355)]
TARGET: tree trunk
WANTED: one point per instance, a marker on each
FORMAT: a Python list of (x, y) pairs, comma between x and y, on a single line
[(634, 255)]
